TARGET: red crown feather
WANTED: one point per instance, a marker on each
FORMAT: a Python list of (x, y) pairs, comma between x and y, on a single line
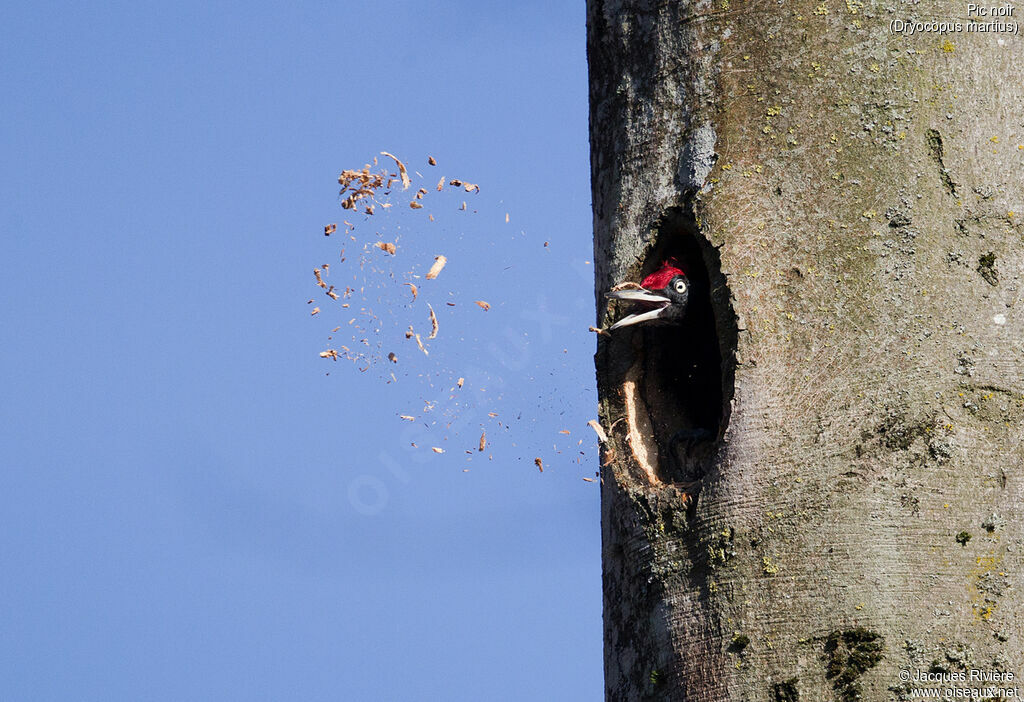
[(659, 279)]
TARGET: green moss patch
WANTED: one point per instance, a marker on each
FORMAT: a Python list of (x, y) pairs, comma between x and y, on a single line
[(847, 655)]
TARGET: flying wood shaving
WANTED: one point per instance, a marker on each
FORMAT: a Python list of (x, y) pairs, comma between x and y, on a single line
[(436, 449), (485, 305), (386, 246), (435, 270), (455, 182), (564, 431), (431, 161), (392, 357), (589, 480), (463, 205), (609, 455), (404, 174), (407, 418), (414, 290), (492, 414), (330, 229), (440, 184), (483, 441), (419, 342), (539, 463), (433, 323), (319, 280), (420, 193), (335, 329), (599, 430), (506, 218), (333, 295), (359, 184), (602, 332), (329, 353), (316, 310), (461, 381), (470, 187), (415, 205)]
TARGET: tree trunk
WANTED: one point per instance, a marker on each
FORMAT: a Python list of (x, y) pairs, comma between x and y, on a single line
[(815, 481)]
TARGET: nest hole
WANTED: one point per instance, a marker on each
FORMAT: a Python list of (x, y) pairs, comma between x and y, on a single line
[(689, 367)]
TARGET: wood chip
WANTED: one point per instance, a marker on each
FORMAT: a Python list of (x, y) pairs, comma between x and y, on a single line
[(386, 246), (433, 323), (589, 480), (329, 353), (484, 305), (392, 357), (440, 184), (435, 449), (404, 174), (609, 456), (602, 332), (483, 441), (461, 381), (413, 289), (330, 229), (431, 161), (435, 270), (419, 342), (599, 430), (506, 218), (564, 431), (319, 280), (539, 463), (415, 205), (316, 310), (407, 418)]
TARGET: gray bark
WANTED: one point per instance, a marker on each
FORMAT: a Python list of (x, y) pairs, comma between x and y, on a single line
[(855, 199)]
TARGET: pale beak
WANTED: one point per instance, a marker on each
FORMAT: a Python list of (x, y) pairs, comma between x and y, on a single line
[(638, 295), (642, 296)]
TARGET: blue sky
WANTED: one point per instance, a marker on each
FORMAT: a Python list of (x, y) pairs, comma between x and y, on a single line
[(192, 507)]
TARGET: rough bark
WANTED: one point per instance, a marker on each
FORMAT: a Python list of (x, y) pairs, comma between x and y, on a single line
[(854, 201)]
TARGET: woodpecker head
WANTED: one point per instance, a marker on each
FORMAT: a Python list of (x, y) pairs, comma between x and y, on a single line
[(662, 297)]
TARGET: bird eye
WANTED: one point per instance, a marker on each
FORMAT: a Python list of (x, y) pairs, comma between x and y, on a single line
[(680, 286)]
